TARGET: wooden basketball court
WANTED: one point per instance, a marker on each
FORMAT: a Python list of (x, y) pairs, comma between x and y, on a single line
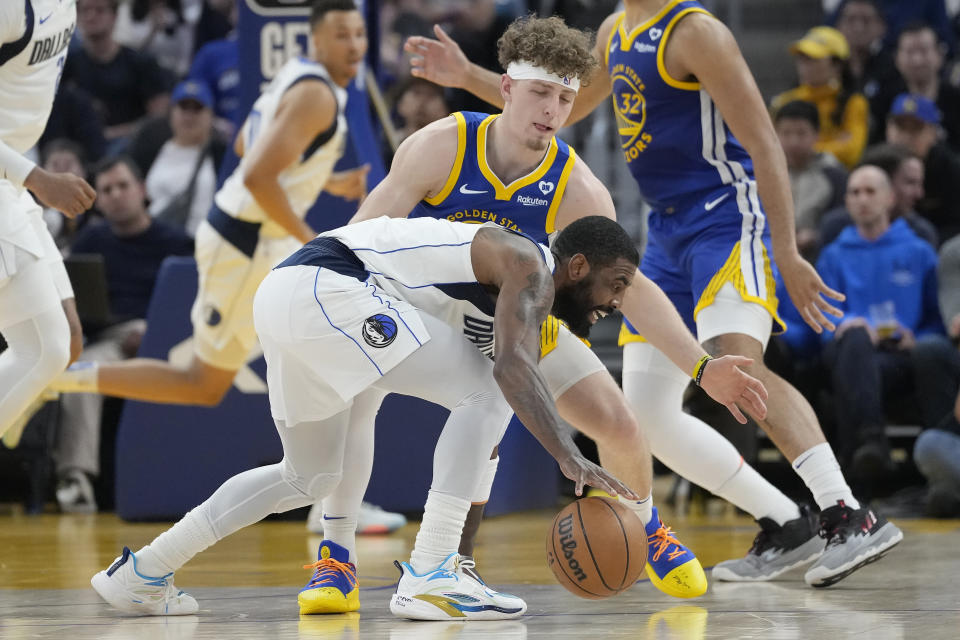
[(247, 586)]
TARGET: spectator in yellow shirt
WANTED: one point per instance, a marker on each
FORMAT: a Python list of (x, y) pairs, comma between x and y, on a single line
[(821, 57)]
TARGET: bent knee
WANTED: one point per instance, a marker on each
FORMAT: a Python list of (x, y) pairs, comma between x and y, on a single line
[(315, 486), (616, 425)]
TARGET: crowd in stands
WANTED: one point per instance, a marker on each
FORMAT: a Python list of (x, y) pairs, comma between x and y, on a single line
[(871, 133)]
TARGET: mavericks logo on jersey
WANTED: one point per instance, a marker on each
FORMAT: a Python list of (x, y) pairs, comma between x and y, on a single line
[(630, 109), (379, 330)]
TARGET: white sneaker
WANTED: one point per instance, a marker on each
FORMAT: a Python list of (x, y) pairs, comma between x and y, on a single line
[(123, 587), (447, 593), (370, 521)]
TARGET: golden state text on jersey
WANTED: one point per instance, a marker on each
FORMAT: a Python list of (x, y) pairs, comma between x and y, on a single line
[(473, 193)]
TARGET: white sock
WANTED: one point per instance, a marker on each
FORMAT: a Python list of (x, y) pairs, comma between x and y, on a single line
[(440, 530), (80, 377), (643, 508), (175, 546), (751, 492), (342, 530), (486, 482), (820, 471)]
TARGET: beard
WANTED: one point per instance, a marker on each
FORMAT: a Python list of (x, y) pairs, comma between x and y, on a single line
[(537, 144), (573, 305)]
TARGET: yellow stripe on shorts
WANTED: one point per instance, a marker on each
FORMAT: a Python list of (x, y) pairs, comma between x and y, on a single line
[(732, 272)]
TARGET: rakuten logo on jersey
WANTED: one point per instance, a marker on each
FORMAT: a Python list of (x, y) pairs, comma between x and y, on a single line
[(527, 201)]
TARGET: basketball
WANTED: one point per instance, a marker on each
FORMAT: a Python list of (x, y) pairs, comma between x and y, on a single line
[(596, 548)]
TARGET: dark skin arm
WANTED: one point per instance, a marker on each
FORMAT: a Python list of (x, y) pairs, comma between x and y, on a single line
[(513, 266)]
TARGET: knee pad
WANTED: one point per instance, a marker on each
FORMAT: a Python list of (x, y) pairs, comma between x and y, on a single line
[(41, 345), (315, 486)]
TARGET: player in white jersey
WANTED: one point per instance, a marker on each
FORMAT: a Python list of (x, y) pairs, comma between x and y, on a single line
[(38, 317), (289, 144), (374, 307), (434, 161)]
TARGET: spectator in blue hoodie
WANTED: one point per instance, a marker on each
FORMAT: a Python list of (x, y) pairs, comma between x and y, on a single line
[(889, 277)]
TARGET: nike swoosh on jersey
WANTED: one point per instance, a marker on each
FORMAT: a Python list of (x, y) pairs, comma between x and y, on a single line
[(710, 205), (42, 20), (467, 192)]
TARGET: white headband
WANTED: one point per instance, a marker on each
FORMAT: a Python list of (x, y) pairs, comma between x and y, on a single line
[(524, 70)]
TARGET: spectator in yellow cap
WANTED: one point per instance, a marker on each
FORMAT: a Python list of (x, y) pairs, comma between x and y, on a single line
[(821, 57)]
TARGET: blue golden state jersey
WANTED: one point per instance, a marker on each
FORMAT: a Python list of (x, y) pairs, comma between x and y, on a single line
[(674, 139), (474, 194)]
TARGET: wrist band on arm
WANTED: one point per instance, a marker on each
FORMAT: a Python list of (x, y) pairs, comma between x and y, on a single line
[(697, 374), (13, 166)]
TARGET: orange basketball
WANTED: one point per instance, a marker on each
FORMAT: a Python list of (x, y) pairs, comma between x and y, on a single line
[(596, 548)]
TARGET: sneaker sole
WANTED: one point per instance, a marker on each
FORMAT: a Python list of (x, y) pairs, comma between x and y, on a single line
[(328, 605), (415, 609), (872, 555), (118, 598), (725, 575)]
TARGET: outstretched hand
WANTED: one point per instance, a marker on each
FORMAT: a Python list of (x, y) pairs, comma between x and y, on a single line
[(725, 381), (807, 290), (583, 472), (440, 61)]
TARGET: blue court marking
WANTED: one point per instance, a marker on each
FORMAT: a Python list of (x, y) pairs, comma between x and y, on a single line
[(348, 336)]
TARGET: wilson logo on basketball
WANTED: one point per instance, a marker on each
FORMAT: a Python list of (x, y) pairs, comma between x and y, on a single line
[(569, 546)]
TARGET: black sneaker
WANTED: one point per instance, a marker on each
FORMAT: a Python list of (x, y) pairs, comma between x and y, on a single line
[(775, 550), (855, 537)]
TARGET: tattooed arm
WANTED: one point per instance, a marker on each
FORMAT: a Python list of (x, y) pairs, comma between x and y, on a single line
[(513, 265)]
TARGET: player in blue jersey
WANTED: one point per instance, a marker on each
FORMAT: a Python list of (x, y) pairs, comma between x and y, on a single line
[(697, 138), (512, 171)]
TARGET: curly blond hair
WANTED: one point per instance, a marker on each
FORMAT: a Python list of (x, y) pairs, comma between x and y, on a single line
[(548, 43)]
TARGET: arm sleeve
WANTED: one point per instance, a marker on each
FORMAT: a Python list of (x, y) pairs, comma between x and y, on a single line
[(13, 165)]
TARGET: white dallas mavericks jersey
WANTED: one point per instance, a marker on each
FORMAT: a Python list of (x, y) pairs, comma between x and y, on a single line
[(303, 180), (34, 35), (427, 262)]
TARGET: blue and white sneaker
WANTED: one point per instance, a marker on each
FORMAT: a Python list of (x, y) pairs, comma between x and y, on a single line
[(448, 593), (671, 566), (128, 590), (333, 587)]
